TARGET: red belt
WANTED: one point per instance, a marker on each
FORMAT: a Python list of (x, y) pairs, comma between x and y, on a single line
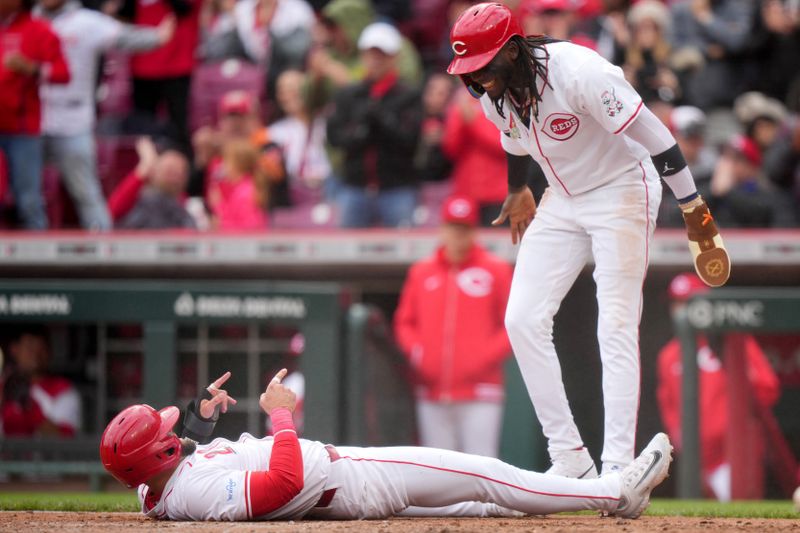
[(327, 496)]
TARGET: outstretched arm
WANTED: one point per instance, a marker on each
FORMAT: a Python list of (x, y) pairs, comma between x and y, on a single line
[(711, 260), (283, 481)]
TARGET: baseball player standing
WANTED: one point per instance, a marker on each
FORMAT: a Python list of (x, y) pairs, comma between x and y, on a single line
[(602, 151), (283, 477)]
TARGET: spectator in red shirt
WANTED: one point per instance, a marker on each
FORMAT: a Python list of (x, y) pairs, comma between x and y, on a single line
[(153, 195), (449, 323), (34, 402), (30, 54), (470, 141), (164, 75), (713, 394)]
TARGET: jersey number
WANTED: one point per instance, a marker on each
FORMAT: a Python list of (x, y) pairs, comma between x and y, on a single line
[(222, 451)]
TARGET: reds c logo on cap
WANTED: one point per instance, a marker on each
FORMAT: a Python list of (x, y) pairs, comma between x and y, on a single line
[(460, 208), (463, 49)]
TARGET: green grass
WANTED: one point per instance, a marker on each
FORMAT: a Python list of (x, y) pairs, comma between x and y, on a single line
[(69, 501), (714, 509), (122, 501)]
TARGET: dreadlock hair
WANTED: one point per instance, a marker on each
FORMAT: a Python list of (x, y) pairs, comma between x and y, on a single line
[(529, 67)]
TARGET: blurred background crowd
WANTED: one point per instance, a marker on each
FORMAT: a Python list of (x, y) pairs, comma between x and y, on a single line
[(258, 114)]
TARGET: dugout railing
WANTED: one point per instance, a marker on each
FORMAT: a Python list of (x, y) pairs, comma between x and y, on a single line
[(378, 394), (724, 312), (168, 329)]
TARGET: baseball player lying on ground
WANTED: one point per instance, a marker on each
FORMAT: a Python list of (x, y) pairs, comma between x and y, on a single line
[(286, 478)]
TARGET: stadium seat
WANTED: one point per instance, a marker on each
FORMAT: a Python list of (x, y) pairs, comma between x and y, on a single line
[(116, 157), (212, 80), (431, 197)]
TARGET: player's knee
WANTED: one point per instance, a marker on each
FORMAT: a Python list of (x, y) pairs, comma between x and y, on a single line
[(522, 323)]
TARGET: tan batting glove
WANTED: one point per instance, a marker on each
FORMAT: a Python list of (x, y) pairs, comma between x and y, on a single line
[(711, 260)]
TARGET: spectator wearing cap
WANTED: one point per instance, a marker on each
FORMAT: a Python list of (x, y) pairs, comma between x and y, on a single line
[(713, 393), (376, 125), (760, 116), (238, 118), (450, 325), (688, 126), (740, 194), (335, 59), (31, 55)]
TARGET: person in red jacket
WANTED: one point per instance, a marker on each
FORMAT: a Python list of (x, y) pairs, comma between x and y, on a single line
[(30, 54), (163, 75), (470, 142), (34, 401), (713, 399), (449, 323)]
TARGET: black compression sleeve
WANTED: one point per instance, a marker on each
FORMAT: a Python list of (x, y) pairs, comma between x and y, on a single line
[(519, 168)]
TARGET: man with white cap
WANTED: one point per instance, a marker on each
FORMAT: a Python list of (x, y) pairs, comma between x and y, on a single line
[(376, 124)]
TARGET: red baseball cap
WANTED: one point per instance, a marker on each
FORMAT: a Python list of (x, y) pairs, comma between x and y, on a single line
[(747, 147), (460, 210), (236, 102), (684, 286)]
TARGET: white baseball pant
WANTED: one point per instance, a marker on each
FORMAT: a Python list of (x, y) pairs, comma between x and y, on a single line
[(417, 481), (614, 225), (469, 427)]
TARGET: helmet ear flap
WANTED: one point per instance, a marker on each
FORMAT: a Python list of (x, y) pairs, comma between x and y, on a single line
[(474, 88)]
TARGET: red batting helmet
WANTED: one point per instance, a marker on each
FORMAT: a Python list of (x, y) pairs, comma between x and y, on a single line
[(138, 444), (478, 34)]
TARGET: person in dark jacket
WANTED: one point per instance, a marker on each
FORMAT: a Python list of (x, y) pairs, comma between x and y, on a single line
[(376, 124)]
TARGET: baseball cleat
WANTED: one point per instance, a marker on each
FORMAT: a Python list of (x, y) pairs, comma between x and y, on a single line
[(711, 260), (643, 475), (576, 464)]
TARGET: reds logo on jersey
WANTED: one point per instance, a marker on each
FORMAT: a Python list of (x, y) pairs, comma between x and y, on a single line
[(609, 99), (560, 126), (475, 281)]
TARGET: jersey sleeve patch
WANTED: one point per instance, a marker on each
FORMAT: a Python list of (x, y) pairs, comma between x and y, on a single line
[(606, 95)]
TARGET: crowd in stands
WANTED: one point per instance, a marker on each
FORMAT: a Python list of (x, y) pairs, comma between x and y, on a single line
[(247, 115)]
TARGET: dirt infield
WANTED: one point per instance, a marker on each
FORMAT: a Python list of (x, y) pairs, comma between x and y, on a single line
[(59, 522)]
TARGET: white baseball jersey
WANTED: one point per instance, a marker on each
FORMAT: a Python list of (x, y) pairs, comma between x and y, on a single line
[(577, 138), (601, 204), (214, 482), (367, 483)]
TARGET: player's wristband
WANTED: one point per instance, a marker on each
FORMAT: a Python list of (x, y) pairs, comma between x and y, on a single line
[(281, 420), (194, 425), (669, 162)]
